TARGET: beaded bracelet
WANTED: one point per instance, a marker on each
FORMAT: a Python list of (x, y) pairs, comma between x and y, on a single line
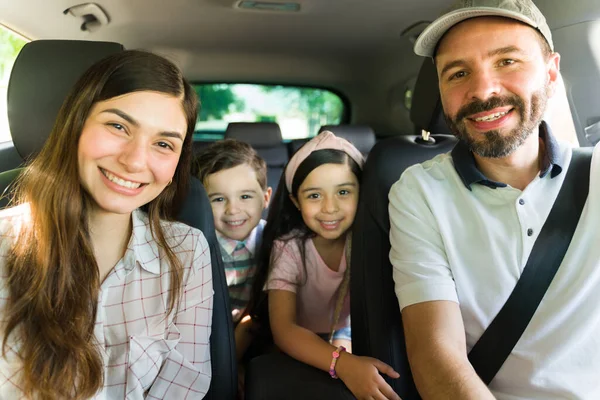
[(335, 355)]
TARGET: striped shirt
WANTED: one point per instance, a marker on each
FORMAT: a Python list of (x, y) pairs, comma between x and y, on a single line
[(239, 261), (147, 353)]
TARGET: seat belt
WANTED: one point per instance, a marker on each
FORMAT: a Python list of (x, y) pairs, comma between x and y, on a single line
[(497, 342)]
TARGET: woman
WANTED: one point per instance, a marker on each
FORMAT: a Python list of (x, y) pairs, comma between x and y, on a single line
[(97, 297)]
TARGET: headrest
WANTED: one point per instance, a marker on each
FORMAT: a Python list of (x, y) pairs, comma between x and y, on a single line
[(256, 134), (41, 78), (426, 111), (361, 136)]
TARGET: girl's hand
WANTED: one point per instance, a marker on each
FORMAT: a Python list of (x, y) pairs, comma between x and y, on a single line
[(361, 376)]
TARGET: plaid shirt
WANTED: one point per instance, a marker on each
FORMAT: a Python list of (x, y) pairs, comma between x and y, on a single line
[(240, 265), (147, 353)]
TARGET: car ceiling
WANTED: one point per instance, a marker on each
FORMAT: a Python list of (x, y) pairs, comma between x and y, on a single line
[(342, 30), (355, 46)]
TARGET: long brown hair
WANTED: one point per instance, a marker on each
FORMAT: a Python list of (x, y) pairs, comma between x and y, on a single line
[(53, 279)]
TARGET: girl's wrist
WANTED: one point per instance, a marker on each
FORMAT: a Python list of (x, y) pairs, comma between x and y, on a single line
[(342, 363), (335, 356)]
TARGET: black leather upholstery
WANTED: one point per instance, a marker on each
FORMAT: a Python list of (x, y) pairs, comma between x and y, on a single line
[(426, 112), (376, 321), (278, 376), (196, 212), (259, 134), (295, 144), (200, 145), (41, 77), (266, 139), (361, 136)]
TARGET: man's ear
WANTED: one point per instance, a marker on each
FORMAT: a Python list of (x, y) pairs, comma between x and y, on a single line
[(293, 199), (267, 197), (553, 68)]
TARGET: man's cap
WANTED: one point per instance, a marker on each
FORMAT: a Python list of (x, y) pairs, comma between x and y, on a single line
[(520, 10)]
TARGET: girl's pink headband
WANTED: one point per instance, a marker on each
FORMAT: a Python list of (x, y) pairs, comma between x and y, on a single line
[(324, 140)]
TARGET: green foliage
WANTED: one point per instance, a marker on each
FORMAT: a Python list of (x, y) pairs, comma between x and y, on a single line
[(268, 103), (10, 46), (217, 101), (266, 118), (320, 107)]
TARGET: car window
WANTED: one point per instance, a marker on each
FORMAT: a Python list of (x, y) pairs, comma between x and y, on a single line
[(10, 46), (299, 111)]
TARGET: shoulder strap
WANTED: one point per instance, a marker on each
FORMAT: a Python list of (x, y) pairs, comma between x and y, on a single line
[(499, 339)]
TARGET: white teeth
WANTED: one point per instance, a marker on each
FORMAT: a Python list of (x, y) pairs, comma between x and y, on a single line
[(329, 222), (491, 117), (235, 223), (121, 182)]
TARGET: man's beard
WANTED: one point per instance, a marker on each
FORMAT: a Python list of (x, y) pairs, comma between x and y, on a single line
[(493, 144)]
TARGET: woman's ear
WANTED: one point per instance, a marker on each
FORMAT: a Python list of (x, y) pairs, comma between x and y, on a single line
[(293, 199)]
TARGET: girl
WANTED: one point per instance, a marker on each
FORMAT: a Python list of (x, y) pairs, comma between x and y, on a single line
[(304, 264), (97, 297)]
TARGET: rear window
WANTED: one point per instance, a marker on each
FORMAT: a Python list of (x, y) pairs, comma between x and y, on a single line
[(299, 111), (10, 46)]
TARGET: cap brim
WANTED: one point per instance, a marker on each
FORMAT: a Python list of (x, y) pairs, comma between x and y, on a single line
[(429, 38)]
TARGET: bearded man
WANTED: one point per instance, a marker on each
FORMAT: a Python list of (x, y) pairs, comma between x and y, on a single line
[(463, 224)]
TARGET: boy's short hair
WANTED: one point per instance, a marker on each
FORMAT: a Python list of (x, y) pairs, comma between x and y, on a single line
[(230, 153)]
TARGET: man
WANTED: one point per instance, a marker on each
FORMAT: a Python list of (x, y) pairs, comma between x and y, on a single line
[(463, 224)]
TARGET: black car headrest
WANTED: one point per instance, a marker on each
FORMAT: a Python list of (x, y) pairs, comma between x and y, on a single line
[(361, 136), (256, 134), (426, 110), (41, 78)]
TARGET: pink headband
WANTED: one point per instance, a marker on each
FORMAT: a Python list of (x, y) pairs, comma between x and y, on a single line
[(324, 140)]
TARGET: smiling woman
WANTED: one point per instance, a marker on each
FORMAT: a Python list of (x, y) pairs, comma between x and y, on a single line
[(97, 297), (134, 141)]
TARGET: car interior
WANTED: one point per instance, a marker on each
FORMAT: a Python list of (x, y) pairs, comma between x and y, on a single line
[(358, 51)]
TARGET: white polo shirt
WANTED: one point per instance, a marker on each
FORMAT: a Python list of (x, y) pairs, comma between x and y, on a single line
[(459, 237)]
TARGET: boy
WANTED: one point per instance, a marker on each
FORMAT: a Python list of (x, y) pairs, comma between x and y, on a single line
[(235, 178)]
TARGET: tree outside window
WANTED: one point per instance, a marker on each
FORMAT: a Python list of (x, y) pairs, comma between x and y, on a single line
[(10, 46), (299, 111)]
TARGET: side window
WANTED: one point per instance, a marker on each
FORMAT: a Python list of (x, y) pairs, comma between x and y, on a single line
[(409, 90), (299, 111), (10, 46), (558, 114)]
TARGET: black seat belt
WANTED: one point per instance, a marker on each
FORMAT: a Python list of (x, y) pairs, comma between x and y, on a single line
[(499, 339)]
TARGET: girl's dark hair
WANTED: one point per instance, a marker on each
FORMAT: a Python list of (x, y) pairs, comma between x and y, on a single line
[(52, 275), (285, 222)]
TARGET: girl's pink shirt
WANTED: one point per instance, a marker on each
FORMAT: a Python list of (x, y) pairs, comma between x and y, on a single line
[(316, 295)]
